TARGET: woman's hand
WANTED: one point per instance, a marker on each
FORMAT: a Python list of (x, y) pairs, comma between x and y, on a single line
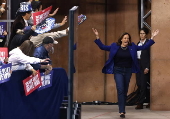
[(34, 72), (96, 33), (154, 33)]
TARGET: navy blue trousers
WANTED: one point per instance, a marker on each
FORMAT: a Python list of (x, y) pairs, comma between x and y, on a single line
[(122, 77)]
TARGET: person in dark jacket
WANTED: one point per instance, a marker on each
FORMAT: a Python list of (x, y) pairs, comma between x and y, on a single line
[(22, 36), (43, 52), (122, 63), (144, 75), (21, 20)]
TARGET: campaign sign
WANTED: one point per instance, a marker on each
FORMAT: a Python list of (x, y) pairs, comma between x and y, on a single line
[(45, 26), (5, 73), (46, 80), (3, 53), (31, 83), (38, 17), (2, 28)]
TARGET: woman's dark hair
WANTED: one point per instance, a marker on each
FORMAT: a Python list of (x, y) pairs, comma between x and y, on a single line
[(119, 42), (27, 47), (145, 30), (36, 5)]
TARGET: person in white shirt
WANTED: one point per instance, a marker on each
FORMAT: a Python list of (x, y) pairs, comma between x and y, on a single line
[(21, 57)]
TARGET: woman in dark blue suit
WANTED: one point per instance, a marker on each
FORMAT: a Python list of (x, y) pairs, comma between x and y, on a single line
[(122, 63)]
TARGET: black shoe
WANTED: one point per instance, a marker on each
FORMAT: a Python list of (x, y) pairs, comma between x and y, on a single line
[(148, 106), (122, 115), (139, 106)]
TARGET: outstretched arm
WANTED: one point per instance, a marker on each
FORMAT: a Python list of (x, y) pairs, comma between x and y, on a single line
[(63, 21), (150, 42), (99, 43), (56, 10), (56, 25)]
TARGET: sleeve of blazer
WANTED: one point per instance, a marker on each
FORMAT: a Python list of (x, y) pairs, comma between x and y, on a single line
[(148, 44), (27, 35), (101, 45)]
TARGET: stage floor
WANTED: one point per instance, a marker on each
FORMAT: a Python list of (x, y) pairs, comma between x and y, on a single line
[(111, 112)]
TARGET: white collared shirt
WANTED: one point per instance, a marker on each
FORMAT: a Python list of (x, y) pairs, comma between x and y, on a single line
[(139, 52), (26, 23)]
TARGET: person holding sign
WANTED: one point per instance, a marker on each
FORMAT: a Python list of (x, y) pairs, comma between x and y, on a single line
[(21, 57), (37, 40), (37, 6), (21, 20)]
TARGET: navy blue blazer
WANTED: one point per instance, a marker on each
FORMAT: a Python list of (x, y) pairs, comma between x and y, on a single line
[(113, 48)]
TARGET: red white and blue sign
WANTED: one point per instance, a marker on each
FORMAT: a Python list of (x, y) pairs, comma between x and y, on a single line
[(46, 80), (5, 72), (45, 26), (38, 17)]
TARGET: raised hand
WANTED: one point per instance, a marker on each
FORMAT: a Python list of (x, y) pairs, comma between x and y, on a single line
[(154, 33), (96, 33), (55, 11), (63, 21)]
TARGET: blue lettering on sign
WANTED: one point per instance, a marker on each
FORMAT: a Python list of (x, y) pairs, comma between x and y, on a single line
[(5, 73), (1, 29), (46, 80)]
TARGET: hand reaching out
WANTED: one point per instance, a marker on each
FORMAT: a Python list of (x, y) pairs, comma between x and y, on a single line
[(45, 60), (154, 33), (55, 11), (96, 33), (63, 21)]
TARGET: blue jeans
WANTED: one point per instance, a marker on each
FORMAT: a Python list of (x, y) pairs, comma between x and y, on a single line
[(122, 77)]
